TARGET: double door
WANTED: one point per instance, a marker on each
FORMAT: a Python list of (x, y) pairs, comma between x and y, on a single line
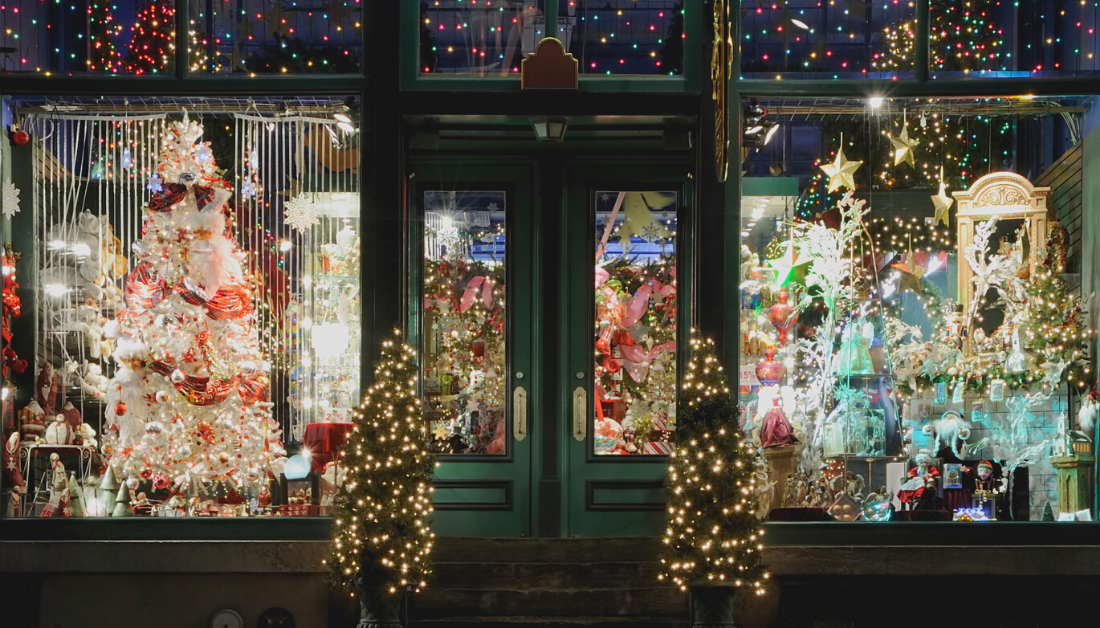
[(549, 301)]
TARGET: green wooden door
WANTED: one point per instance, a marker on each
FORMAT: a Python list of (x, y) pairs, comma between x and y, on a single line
[(472, 314), (621, 321)]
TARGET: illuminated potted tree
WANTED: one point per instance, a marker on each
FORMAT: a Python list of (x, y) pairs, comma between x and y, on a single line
[(712, 539), (383, 540)]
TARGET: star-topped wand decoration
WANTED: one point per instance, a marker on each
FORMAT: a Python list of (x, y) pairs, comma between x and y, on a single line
[(914, 266), (788, 268), (942, 202), (903, 146), (840, 171)]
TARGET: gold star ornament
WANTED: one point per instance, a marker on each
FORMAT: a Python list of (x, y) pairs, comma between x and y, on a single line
[(840, 171), (903, 147), (942, 202)]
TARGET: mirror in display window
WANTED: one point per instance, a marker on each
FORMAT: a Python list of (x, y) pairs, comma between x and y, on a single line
[(465, 321), (914, 341), (196, 321), (636, 323)]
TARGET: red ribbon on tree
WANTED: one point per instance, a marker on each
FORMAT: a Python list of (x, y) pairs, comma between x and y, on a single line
[(173, 193), (232, 301), (142, 291)]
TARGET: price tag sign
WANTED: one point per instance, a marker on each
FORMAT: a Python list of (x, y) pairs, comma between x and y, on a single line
[(748, 376)]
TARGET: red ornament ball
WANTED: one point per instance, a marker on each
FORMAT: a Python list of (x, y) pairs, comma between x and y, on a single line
[(120, 408), (20, 138), (160, 482), (146, 473)]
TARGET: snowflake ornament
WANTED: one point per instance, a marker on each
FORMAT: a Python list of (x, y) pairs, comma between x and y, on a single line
[(155, 184), (10, 202), (301, 212)]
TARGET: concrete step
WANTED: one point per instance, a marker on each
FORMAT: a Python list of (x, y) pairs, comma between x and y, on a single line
[(452, 603), (530, 576), (550, 622), (478, 550)]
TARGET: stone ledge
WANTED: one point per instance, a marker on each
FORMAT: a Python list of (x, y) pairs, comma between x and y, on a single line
[(911, 560), (163, 556), (304, 557)]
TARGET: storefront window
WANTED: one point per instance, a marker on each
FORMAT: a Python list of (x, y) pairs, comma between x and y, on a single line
[(1026, 39), (196, 318), (606, 38), (486, 39), (95, 37), (635, 343), (839, 40), (624, 37), (138, 38), (914, 341), (465, 319), (276, 37)]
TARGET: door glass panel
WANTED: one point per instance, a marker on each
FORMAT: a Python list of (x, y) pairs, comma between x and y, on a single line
[(464, 321), (635, 335)]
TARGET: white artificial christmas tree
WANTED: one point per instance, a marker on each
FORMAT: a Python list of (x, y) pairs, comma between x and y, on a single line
[(187, 409)]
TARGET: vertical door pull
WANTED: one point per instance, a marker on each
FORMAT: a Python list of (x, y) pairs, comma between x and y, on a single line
[(580, 413), (519, 410)]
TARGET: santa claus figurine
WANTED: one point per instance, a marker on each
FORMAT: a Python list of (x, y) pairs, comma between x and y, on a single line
[(920, 488)]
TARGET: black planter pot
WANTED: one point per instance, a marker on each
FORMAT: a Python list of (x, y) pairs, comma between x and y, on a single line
[(712, 607), (380, 609)]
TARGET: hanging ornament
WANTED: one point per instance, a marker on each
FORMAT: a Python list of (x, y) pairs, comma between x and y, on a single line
[(126, 161), (162, 396), (840, 171), (19, 137), (120, 408), (770, 371), (942, 202), (301, 212), (780, 316), (903, 146), (10, 202)]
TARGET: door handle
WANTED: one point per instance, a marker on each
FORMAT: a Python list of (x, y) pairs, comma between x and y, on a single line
[(580, 413), (519, 411)]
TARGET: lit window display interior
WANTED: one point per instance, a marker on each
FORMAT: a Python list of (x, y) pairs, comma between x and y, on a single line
[(196, 315), (915, 336), (465, 320), (635, 345)]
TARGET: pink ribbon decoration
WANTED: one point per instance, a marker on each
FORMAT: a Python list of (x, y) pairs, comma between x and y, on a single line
[(601, 276), (638, 361), (470, 294), (641, 299)]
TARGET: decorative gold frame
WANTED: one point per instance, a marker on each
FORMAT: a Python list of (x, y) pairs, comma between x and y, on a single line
[(1007, 196), (721, 69)]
